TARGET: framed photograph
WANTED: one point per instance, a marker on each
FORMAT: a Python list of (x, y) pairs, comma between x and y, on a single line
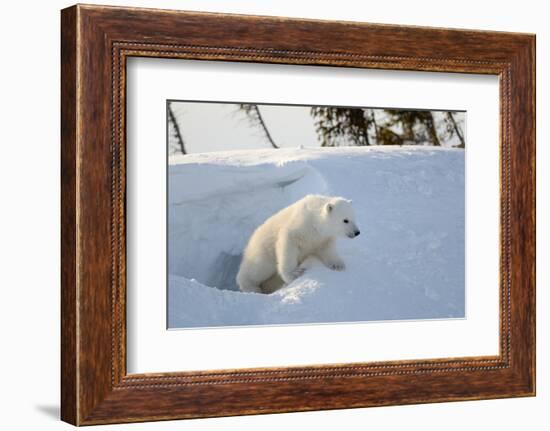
[(261, 217)]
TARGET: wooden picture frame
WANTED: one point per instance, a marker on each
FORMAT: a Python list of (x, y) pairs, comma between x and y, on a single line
[(95, 43)]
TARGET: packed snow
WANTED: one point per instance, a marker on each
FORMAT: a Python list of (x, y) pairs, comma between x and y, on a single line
[(408, 262)]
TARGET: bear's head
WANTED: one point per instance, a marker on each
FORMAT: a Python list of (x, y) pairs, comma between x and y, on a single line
[(340, 218)]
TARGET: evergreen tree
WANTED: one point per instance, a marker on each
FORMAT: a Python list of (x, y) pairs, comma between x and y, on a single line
[(335, 125), (256, 119), (453, 129), (408, 120)]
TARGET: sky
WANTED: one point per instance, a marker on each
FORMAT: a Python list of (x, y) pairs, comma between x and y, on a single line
[(209, 127), (213, 126)]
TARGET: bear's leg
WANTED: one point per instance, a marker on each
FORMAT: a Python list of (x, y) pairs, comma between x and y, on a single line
[(252, 275), (248, 286), (287, 259), (329, 256), (272, 284)]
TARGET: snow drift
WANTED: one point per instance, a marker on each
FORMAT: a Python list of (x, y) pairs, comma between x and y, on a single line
[(408, 262)]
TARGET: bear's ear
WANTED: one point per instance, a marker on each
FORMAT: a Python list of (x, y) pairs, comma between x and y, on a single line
[(329, 207), (349, 201)]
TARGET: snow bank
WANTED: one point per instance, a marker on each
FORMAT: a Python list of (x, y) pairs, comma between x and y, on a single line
[(408, 262)]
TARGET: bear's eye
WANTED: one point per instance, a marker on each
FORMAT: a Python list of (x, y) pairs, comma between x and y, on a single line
[(346, 220)]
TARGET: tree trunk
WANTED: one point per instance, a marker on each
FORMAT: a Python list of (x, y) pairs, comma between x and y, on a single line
[(172, 118), (451, 118), (430, 124), (262, 123), (376, 131)]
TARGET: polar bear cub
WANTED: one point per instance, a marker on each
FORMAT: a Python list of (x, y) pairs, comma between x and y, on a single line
[(308, 227)]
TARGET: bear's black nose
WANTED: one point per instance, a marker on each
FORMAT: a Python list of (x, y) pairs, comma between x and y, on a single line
[(357, 232)]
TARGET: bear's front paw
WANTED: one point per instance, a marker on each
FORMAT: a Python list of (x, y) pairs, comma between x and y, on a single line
[(337, 266), (298, 272)]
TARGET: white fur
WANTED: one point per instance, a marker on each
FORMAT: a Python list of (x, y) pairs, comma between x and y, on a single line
[(278, 248)]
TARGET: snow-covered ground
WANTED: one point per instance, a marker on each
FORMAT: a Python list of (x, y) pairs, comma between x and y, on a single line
[(408, 262)]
